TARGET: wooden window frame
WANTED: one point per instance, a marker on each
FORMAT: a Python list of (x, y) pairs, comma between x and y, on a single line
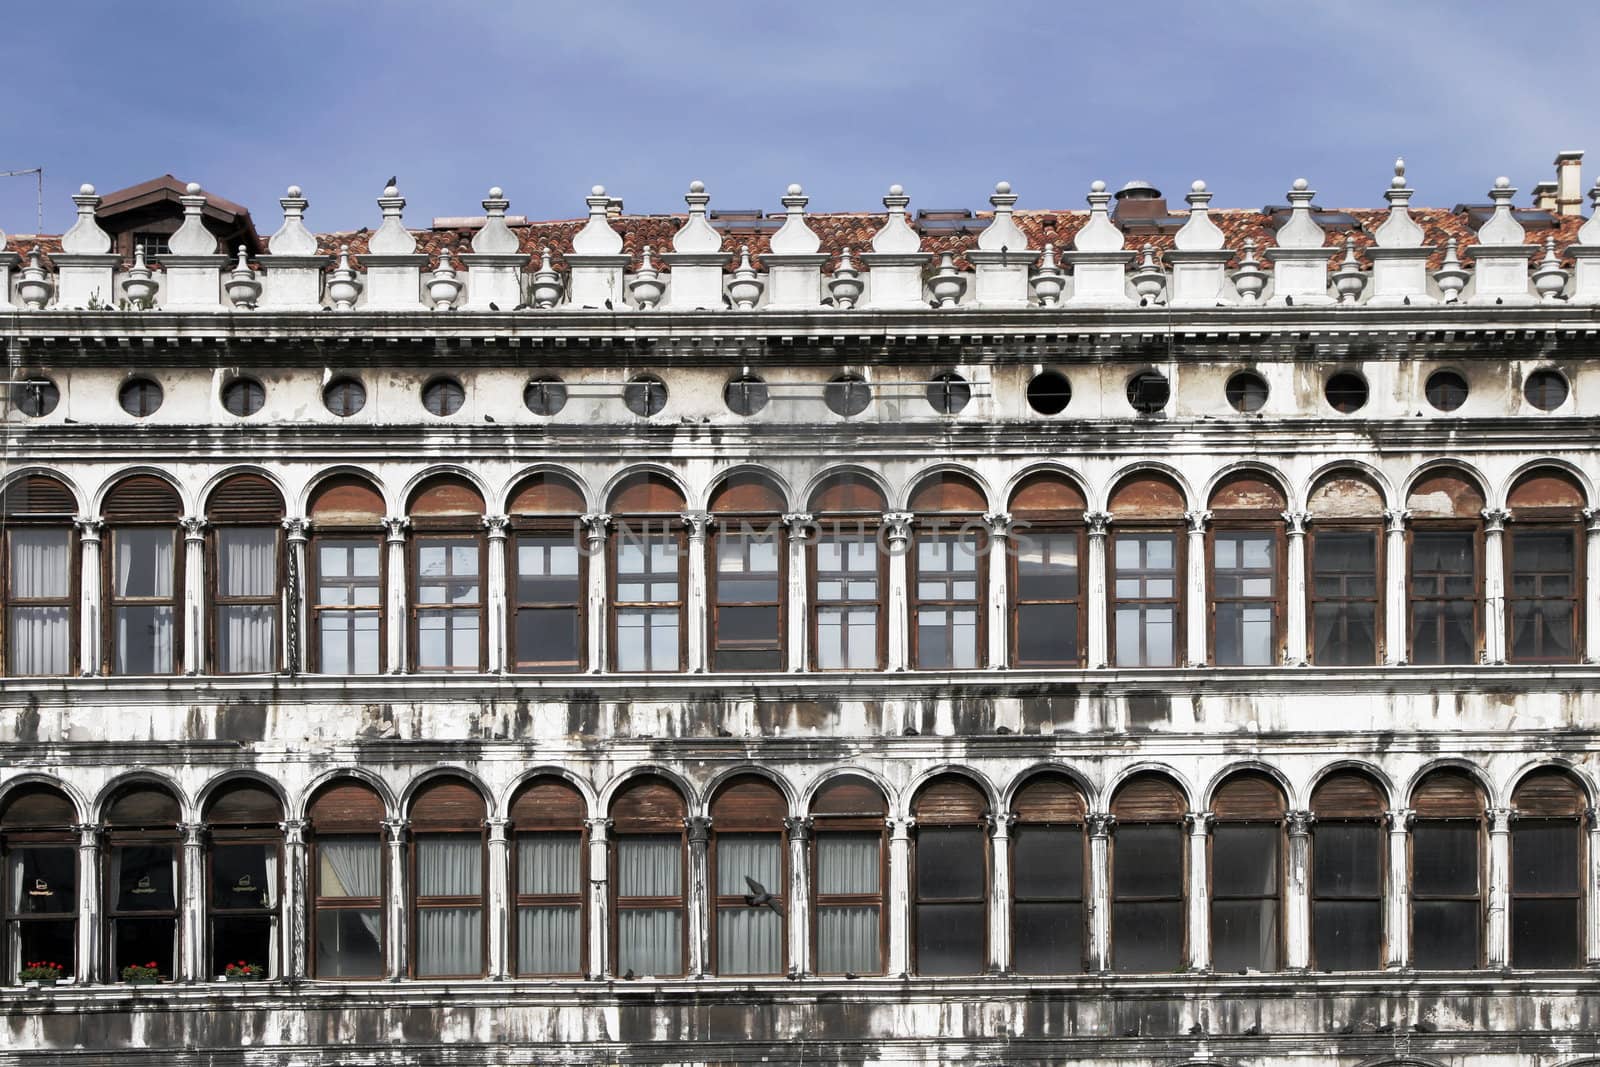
[(320, 903), (643, 529), (425, 530), (1480, 897), (1235, 523), (1578, 895), (1076, 529), (216, 601), (224, 835), (1178, 600), (1579, 577), (133, 837), (739, 525), (1280, 894), (1084, 900), (1112, 899), (315, 609), (679, 902), (1379, 599), (869, 529), (864, 823), (522, 526), (108, 576), (955, 526), (521, 900), (1475, 528), (915, 899), (72, 602), (22, 839), (719, 901), (1378, 897), (416, 902)]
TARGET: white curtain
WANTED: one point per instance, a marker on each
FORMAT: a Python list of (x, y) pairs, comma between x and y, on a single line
[(353, 867), (649, 865), (651, 941), (758, 856), (449, 941), (848, 863), (749, 940), (40, 635), (847, 940), (248, 567), (549, 940), (449, 865), (145, 633), (548, 863)]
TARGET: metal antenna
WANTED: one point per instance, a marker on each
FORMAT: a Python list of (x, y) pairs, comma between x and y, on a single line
[(39, 201)]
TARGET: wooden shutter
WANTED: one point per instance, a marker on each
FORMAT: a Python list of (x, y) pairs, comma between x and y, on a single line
[(446, 496), (1049, 798), (649, 804), (245, 498), (548, 804), (1148, 798), (546, 494), (349, 807), (646, 494), (1047, 493), (748, 493), (1249, 796), (950, 800), (849, 796), (748, 804), (244, 804), (1345, 496), (447, 802), (1348, 795), (143, 496), (37, 494), (1148, 497), (1448, 795), (143, 805), (34, 807), (1549, 794), (346, 499), (948, 492), (848, 494)]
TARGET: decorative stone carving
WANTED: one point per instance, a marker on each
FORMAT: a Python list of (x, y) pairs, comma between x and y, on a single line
[(1451, 277), (896, 261), (1549, 280), (494, 266), (1149, 281), (1098, 258), (139, 285), (1000, 262), (1300, 257), (1399, 260), (844, 286), (85, 266), (1349, 279), (292, 269), (1249, 280), (546, 291), (646, 286), (34, 287), (947, 283), (242, 286), (443, 285), (696, 258), (394, 269), (1048, 281), (1500, 257), (1585, 255), (344, 284), (745, 287), (193, 269), (1198, 257), (597, 260), (794, 263)]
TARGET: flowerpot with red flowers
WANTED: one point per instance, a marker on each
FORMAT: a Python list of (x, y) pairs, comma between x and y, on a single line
[(141, 973), (241, 971), (42, 972)]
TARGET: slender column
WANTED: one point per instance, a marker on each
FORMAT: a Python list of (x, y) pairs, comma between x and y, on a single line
[(496, 526), (500, 905), (1099, 600), (88, 971), (194, 595), (398, 614), (699, 827), (600, 962), (1591, 903), (900, 895), (897, 533), (1297, 892), (89, 595), (800, 526), (1101, 826), (697, 523), (1295, 650), (1494, 584), (1591, 585), (1397, 901), (395, 899), (596, 527), (1497, 950), (1197, 612), (1000, 892), (296, 605), (999, 598), (296, 890), (799, 895), (192, 938), (1199, 823), (1397, 608)]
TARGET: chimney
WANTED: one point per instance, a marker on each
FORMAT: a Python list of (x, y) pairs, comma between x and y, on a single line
[(614, 209), (1139, 200), (1569, 183), (1544, 196)]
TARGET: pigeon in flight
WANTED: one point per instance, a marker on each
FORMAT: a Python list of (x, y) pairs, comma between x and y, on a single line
[(758, 897)]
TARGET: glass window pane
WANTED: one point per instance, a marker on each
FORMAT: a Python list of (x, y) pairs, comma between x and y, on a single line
[(758, 857), (848, 939), (1244, 860), (1048, 938), (240, 937), (449, 941), (40, 564), (1147, 938), (950, 864), (145, 877), (144, 941), (143, 562), (1147, 861), (243, 876), (1047, 862), (950, 938), (650, 941), (1347, 935), (1544, 856), (649, 865), (1444, 857), (349, 944), (549, 940), (549, 862), (42, 881), (247, 562), (449, 865), (144, 640), (52, 941), (848, 862), (1244, 935), (1444, 934), (1346, 859), (749, 941), (1545, 933)]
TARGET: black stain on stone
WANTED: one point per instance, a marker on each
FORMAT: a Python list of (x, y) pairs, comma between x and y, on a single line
[(27, 721), (1148, 707)]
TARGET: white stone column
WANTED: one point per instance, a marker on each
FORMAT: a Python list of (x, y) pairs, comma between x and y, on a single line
[(1197, 610), (899, 901), (1099, 601), (1494, 584), (294, 932), (496, 592), (1397, 608), (89, 531), (1497, 945), (1591, 902), (800, 527), (1199, 939), (601, 965), (1397, 899), (1297, 892), (1591, 585), (296, 598), (88, 969), (397, 598), (1100, 827), (194, 595), (998, 602), (697, 524), (897, 541), (799, 894), (700, 899), (500, 903), (596, 528), (395, 898), (1296, 651), (1000, 892), (192, 905)]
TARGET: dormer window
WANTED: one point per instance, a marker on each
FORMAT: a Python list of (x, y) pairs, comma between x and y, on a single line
[(153, 245)]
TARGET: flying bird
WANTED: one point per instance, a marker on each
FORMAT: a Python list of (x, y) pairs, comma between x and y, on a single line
[(758, 897)]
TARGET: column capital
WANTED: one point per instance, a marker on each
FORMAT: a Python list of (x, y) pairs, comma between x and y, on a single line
[(699, 828), (598, 828), (296, 528), (1000, 823), (294, 831), (698, 523), (1395, 519), (800, 524), (1295, 523), (998, 523), (1099, 522), (1399, 820), (194, 527), (89, 834), (194, 833), (897, 527), (1591, 519), (396, 829), (497, 828), (395, 527), (497, 526), (1591, 818), (900, 827), (1197, 520), (1199, 822), (1500, 819), (798, 827), (1299, 822), (89, 527), (1101, 823), (596, 524), (1494, 520)]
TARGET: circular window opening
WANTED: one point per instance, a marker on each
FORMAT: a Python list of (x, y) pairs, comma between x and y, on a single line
[(1148, 392), (545, 396), (1445, 390), (949, 393), (344, 396), (847, 395), (746, 394), (1346, 392), (1246, 391), (243, 396), (1049, 392), (646, 395), (1545, 389), (443, 396), (139, 397), (35, 397)]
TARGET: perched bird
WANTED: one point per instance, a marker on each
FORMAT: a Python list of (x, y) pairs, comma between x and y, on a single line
[(488, 418), (851, 976), (723, 731), (493, 306), (1499, 300), (1197, 1028), (390, 182), (1408, 301), (608, 304), (629, 976), (758, 897), (522, 307), (1288, 301), (1253, 1030)]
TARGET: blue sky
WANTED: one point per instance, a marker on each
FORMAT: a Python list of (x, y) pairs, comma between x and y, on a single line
[(547, 99)]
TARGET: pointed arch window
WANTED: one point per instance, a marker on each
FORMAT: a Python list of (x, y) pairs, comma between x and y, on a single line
[(649, 883), (143, 880), (1446, 569), (1345, 572), (448, 606), (143, 577), (1247, 565), (1147, 572), (948, 566), (749, 575), (38, 577), (1447, 873), (1048, 877), (1147, 876), (244, 520), (1247, 874), (848, 576), (1047, 573), (1348, 872), (850, 923), (649, 572), (347, 913), (1548, 860), (347, 577), (39, 880), (1544, 570), (950, 878), (549, 572), (750, 870), (244, 880), (448, 875), (547, 821)]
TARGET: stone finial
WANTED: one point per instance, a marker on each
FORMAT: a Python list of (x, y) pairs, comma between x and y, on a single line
[(1301, 231), (947, 283), (546, 282), (1099, 234), (597, 238), (443, 284), (139, 284), (1048, 281), (34, 287), (192, 238), (496, 238), (845, 285), (1199, 234), (86, 238), (292, 238), (392, 238), (647, 285), (697, 234), (795, 237), (1250, 279), (1549, 280), (344, 284), (1589, 232), (1003, 234), (896, 236), (1452, 278), (1149, 281), (242, 285), (745, 287), (1502, 228), (1399, 230), (1349, 279)]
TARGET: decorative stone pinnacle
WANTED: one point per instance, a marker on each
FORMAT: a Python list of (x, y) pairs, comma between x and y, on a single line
[(597, 238), (1300, 184), (1502, 228), (1097, 186), (1197, 186), (86, 237), (1003, 234), (192, 238), (193, 188), (85, 189), (697, 235), (1301, 231), (294, 191), (795, 190), (1199, 233), (896, 236), (292, 238)]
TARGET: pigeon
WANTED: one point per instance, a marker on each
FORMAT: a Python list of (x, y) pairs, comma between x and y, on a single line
[(758, 897), (1253, 1030), (493, 306), (1144, 301), (608, 304), (851, 976), (488, 418), (522, 307), (1197, 1028), (390, 182), (1408, 301), (1499, 300), (723, 731), (629, 976), (1288, 301)]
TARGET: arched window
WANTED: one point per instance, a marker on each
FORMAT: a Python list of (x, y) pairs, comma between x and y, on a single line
[(1544, 568), (448, 606), (848, 575), (1446, 586), (950, 883), (39, 880), (1547, 871), (1447, 873), (1345, 572), (1247, 872), (547, 819), (144, 883), (1147, 876), (1048, 865), (447, 881), (648, 575), (347, 577), (245, 516), (948, 568), (39, 624), (245, 880), (750, 869), (143, 577), (348, 891), (1246, 579), (549, 571), (1047, 572), (1147, 575), (649, 883), (850, 923), (1347, 873), (748, 579)]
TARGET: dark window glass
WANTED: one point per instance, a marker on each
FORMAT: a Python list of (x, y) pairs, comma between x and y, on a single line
[(549, 601), (1048, 597), (1346, 392), (144, 907), (1544, 593), (1347, 896), (951, 876), (344, 396), (745, 395), (1545, 389), (243, 396), (1546, 892), (1545, 933), (1049, 392), (545, 396), (1246, 391), (244, 891), (443, 396), (847, 395), (1445, 909), (1245, 597), (1047, 908), (645, 395), (1444, 596), (1344, 597), (948, 393), (948, 604), (1245, 901), (139, 397), (349, 944), (1148, 392), (1147, 898), (749, 598), (1446, 390), (35, 397), (1145, 599)]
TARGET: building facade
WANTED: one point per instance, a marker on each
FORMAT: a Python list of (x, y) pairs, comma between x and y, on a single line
[(1125, 636)]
